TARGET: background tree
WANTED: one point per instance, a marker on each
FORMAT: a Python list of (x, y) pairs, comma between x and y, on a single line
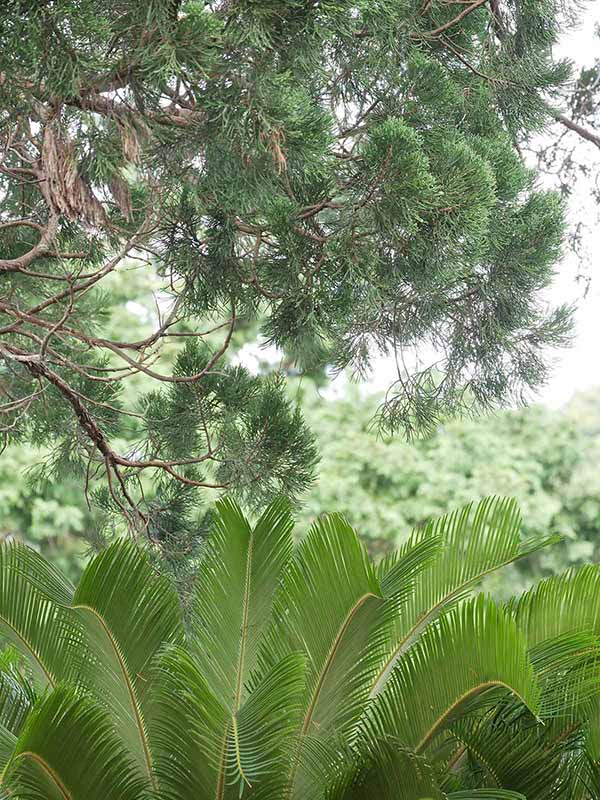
[(546, 458), (347, 170), (51, 516)]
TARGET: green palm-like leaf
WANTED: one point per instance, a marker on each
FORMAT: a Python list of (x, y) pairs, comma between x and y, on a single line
[(592, 728), (129, 614), (188, 730), (17, 697), (560, 607), (515, 752), (264, 726), (471, 650), (17, 694), (8, 742), (32, 615), (567, 668), (237, 582), (588, 784), (204, 752), (332, 605), (16, 701), (561, 604), (535, 759), (69, 750), (305, 673), (391, 775), (477, 541)]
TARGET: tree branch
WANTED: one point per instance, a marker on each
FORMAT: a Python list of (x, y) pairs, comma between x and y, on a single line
[(590, 136)]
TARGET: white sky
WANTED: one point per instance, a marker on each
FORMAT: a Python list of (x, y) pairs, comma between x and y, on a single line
[(578, 367)]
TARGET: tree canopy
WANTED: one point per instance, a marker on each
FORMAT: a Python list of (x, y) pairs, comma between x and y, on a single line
[(545, 458), (346, 171)]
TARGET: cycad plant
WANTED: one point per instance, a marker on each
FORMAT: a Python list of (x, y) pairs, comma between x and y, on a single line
[(302, 672)]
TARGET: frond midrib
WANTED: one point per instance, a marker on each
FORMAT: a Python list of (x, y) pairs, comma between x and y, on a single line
[(237, 699), (426, 739), (423, 621), (49, 771), (32, 650), (330, 657), (131, 692), (322, 676)]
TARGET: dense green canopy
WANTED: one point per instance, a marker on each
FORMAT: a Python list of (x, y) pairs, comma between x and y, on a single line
[(346, 169), (547, 459)]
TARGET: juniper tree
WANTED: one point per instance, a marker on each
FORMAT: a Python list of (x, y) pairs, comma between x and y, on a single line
[(346, 171)]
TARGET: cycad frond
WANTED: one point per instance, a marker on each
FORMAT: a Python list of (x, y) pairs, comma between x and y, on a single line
[(32, 614), (260, 746), (305, 673), (204, 751), (237, 581), (471, 650), (8, 742), (564, 603), (129, 614), (393, 774), (560, 608), (17, 694), (503, 746), (568, 671), (592, 728), (476, 541), (534, 759), (238, 578), (69, 750), (328, 604), (189, 730), (332, 606), (16, 702)]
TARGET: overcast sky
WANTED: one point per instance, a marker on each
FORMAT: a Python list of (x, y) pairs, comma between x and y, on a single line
[(578, 368)]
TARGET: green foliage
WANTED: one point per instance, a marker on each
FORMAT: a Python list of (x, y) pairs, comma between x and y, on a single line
[(50, 516), (546, 459), (288, 677), (344, 174)]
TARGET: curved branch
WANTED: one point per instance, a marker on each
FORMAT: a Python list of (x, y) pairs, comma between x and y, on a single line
[(42, 248), (450, 23), (586, 134), (35, 365)]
